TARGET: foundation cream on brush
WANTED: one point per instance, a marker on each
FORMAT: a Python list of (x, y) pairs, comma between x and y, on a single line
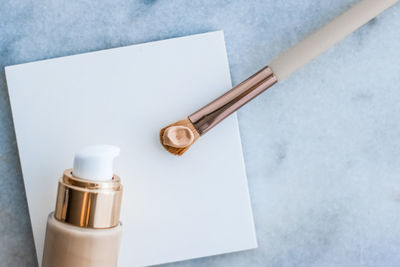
[(178, 136), (84, 230)]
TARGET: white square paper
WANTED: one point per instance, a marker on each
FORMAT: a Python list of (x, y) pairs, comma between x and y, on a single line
[(174, 208)]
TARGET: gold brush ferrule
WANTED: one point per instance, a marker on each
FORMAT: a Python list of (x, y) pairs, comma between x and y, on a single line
[(207, 117), (88, 204)]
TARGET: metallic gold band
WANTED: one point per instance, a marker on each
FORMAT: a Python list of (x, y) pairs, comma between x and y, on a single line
[(88, 204), (207, 117)]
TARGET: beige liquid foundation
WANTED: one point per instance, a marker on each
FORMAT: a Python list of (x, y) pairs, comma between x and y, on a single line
[(84, 230)]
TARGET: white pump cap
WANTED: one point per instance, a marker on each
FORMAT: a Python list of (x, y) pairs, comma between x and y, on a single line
[(95, 162)]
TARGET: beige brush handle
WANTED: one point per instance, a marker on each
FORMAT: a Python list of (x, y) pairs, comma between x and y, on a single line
[(210, 115), (327, 36)]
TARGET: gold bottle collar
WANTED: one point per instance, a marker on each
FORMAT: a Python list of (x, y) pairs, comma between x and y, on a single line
[(88, 204)]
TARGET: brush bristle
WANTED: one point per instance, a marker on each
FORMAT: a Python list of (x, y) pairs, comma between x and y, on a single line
[(179, 151)]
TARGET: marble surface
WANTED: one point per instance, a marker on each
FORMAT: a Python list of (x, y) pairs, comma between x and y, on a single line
[(322, 149)]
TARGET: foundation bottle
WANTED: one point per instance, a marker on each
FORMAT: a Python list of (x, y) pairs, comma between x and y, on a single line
[(85, 230)]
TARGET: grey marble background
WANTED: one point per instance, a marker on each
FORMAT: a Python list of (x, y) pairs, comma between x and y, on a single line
[(322, 149)]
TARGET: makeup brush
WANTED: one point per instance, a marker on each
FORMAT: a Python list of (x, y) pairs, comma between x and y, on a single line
[(179, 136)]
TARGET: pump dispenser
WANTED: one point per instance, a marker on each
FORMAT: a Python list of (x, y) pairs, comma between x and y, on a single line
[(84, 230), (95, 163)]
